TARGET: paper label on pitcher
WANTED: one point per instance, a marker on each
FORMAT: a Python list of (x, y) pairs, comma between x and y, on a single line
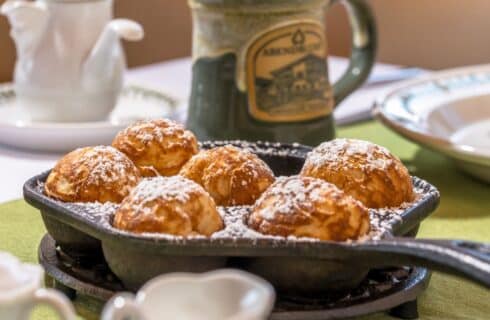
[(287, 77)]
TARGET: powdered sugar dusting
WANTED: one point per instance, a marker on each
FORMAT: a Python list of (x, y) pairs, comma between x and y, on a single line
[(155, 130), (106, 164), (245, 157), (262, 148), (175, 188), (96, 212), (293, 193), (343, 149)]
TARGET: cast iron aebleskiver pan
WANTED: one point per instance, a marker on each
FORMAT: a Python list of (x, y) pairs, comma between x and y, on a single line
[(292, 266)]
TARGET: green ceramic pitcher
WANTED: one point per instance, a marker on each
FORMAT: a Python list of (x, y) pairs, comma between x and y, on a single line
[(260, 70)]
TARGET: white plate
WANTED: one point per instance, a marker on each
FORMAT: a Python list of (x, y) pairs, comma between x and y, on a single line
[(447, 111), (135, 103)]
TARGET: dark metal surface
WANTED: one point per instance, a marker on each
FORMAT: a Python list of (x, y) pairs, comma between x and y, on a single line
[(394, 289), (77, 243)]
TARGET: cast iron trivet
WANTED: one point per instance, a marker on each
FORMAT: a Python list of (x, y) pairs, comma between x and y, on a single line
[(393, 289)]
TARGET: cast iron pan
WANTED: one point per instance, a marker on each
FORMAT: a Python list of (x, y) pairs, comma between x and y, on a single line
[(292, 265)]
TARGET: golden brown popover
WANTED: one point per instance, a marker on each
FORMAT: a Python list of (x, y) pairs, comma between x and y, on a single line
[(173, 205), (232, 176), (308, 207), (92, 174), (364, 170), (157, 147)]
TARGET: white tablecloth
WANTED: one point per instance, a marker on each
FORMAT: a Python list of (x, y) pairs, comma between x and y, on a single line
[(173, 76)]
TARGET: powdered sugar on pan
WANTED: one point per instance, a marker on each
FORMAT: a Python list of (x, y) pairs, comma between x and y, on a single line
[(383, 221), (263, 148), (235, 226), (100, 213)]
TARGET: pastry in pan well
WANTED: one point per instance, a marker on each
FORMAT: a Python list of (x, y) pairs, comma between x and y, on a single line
[(173, 205), (91, 174), (232, 176), (364, 170), (157, 147), (308, 207)]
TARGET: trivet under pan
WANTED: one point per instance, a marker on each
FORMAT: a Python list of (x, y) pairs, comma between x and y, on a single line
[(394, 290)]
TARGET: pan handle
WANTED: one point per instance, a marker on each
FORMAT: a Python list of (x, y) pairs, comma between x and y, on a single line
[(463, 258)]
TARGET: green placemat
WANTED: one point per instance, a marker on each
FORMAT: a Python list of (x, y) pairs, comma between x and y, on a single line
[(464, 213)]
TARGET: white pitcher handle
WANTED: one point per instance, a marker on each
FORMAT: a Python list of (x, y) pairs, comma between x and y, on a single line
[(122, 307), (57, 301)]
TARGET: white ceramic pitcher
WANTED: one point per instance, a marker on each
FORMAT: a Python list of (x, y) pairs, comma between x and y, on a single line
[(20, 291), (70, 62)]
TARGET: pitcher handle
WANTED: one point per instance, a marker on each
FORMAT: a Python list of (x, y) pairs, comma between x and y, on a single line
[(364, 43)]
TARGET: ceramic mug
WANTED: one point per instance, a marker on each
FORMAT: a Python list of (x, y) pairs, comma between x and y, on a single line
[(260, 68), (216, 295), (20, 291)]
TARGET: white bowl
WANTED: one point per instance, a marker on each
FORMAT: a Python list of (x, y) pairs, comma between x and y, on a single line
[(447, 111), (217, 295)]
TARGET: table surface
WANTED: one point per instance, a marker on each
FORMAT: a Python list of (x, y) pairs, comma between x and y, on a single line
[(464, 211)]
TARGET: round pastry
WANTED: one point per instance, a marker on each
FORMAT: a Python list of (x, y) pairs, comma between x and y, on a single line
[(364, 170), (157, 147), (173, 205), (309, 207), (232, 176), (92, 174)]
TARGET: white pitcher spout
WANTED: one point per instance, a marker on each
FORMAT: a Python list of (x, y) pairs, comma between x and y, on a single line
[(127, 29), (28, 20), (99, 64)]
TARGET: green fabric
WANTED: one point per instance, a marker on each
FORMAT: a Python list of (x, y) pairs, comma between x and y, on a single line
[(464, 213)]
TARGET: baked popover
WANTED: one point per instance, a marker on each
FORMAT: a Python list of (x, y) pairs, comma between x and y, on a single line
[(232, 176), (92, 174), (308, 207), (157, 147), (364, 170), (172, 205)]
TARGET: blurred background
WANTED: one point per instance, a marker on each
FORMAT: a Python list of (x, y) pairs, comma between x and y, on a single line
[(422, 33)]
